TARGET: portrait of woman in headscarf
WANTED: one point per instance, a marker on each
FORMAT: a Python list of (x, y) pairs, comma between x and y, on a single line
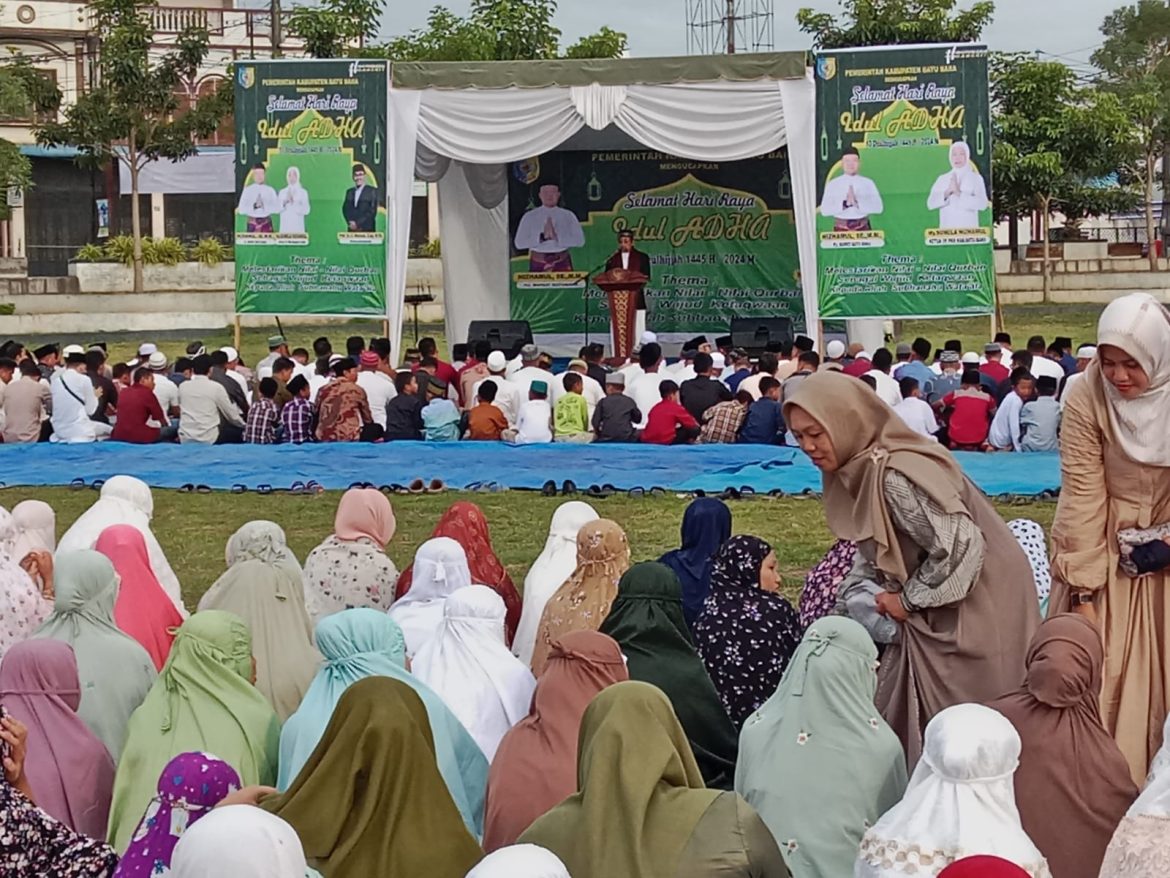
[(294, 204), (934, 558), (1115, 475), (959, 195)]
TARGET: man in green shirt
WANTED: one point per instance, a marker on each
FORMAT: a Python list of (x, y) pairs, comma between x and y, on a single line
[(571, 414)]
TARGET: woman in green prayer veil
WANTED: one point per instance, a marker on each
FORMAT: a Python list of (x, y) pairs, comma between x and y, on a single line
[(204, 701), (648, 623)]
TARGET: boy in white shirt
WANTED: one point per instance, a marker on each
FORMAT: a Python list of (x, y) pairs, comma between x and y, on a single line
[(916, 411), (534, 423)]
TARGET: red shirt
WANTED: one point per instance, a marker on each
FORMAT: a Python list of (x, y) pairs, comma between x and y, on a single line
[(997, 372), (446, 372), (664, 419), (970, 417), (137, 405), (858, 368)]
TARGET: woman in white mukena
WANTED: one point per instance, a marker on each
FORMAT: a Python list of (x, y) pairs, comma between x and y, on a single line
[(294, 204), (960, 194)]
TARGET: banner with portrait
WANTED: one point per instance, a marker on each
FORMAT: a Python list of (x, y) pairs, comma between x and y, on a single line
[(717, 239), (905, 225), (311, 220)]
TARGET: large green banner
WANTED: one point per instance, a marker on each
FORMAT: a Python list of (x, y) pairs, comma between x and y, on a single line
[(904, 181), (311, 231), (718, 238)]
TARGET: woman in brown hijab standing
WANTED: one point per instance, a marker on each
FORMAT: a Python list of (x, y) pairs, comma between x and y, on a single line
[(1115, 475), (1073, 785), (950, 573)]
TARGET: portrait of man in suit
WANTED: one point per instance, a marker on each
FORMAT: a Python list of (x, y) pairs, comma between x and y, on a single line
[(361, 203)]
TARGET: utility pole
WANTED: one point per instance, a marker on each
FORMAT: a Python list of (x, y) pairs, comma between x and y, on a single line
[(274, 11), (730, 27)]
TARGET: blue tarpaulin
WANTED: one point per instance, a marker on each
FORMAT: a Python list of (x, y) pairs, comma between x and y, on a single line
[(710, 468)]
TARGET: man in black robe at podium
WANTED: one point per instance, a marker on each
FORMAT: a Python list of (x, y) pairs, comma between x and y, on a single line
[(629, 257)]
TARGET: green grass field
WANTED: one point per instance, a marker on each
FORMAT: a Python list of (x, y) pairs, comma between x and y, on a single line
[(194, 528)]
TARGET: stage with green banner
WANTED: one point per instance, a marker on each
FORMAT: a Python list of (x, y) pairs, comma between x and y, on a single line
[(311, 160), (720, 239), (905, 226)]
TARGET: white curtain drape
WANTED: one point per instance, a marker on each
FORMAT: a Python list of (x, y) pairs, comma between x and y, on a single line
[(485, 129), (475, 251)]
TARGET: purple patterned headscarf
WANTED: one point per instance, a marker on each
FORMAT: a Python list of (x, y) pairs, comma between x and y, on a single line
[(190, 786)]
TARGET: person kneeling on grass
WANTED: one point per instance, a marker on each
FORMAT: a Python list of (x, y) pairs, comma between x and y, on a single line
[(486, 421), (441, 416), (668, 422), (534, 423), (571, 416), (615, 416)]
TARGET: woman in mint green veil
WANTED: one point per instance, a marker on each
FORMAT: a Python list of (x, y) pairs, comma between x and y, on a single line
[(361, 643), (817, 761)]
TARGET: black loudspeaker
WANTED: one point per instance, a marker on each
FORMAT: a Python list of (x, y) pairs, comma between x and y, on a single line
[(502, 335), (754, 334)]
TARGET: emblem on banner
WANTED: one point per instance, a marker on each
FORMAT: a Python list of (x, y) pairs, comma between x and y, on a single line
[(246, 76), (826, 66)]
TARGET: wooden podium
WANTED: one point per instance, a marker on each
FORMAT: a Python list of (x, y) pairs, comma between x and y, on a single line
[(625, 291)]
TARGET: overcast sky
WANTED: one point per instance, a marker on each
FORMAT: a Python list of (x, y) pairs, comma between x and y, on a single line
[(657, 27)]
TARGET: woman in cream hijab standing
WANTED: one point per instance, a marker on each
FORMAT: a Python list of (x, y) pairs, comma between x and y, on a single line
[(294, 204), (1115, 477)]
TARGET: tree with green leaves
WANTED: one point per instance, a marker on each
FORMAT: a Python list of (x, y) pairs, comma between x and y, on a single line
[(134, 115), (1055, 142), (894, 22), (336, 28), (24, 92), (1135, 61), (493, 30)]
